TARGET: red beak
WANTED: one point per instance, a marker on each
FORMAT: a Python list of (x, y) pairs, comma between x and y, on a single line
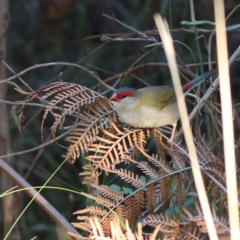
[(114, 97)]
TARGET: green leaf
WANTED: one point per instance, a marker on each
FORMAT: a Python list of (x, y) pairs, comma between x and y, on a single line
[(126, 191), (195, 23), (115, 187), (143, 178), (186, 203), (233, 27), (151, 180)]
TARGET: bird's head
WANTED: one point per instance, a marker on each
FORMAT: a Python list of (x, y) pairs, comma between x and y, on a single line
[(125, 98)]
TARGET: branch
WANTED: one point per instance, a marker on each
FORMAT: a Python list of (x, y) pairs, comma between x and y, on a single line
[(39, 199), (58, 63), (105, 38), (141, 34), (212, 87)]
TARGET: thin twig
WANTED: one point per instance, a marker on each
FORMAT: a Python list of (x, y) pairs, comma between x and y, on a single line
[(36, 148), (141, 34), (18, 103), (42, 202), (118, 39), (57, 63), (17, 76), (129, 72), (181, 29), (213, 87), (233, 11)]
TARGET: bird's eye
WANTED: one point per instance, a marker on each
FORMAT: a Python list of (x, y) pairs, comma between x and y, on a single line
[(124, 95)]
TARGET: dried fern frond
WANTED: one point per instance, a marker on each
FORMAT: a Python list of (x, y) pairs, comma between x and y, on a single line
[(116, 149), (90, 174), (93, 210), (116, 232), (150, 198), (157, 161), (85, 131), (169, 227), (179, 189), (107, 192), (221, 224), (139, 204), (130, 177), (104, 201), (148, 170), (192, 232), (163, 191), (68, 98), (112, 148), (70, 95), (206, 156), (212, 167)]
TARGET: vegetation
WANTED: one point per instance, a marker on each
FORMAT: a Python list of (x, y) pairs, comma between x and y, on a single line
[(135, 185)]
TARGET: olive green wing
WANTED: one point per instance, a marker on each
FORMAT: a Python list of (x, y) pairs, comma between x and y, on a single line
[(158, 97)]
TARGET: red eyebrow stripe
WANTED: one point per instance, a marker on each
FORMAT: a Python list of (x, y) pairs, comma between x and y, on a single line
[(129, 94), (116, 96)]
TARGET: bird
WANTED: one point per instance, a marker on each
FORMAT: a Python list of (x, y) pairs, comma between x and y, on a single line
[(152, 106)]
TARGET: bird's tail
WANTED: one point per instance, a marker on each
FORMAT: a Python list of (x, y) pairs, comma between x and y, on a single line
[(196, 81)]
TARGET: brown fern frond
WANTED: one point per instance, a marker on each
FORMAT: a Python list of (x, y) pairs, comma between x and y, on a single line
[(161, 163), (224, 237), (107, 192), (212, 167), (117, 232), (151, 198), (83, 218), (129, 203), (112, 148), (147, 169), (90, 173), (221, 224), (88, 169), (99, 231), (163, 191), (83, 226), (178, 159), (205, 155), (64, 90), (85, 131), (30, 95), (93, 210), (168, 224), (140, 139), (216, 173), (179, 190), (139, 204), (91, 178), (192, 232), (69, 98), (129, 235), (105, 224), (122, 212), (71, 95), (129, 177), (198, 219), (101, 200)]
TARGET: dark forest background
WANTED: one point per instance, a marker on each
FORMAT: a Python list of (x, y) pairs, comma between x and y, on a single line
[(42, 31)]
